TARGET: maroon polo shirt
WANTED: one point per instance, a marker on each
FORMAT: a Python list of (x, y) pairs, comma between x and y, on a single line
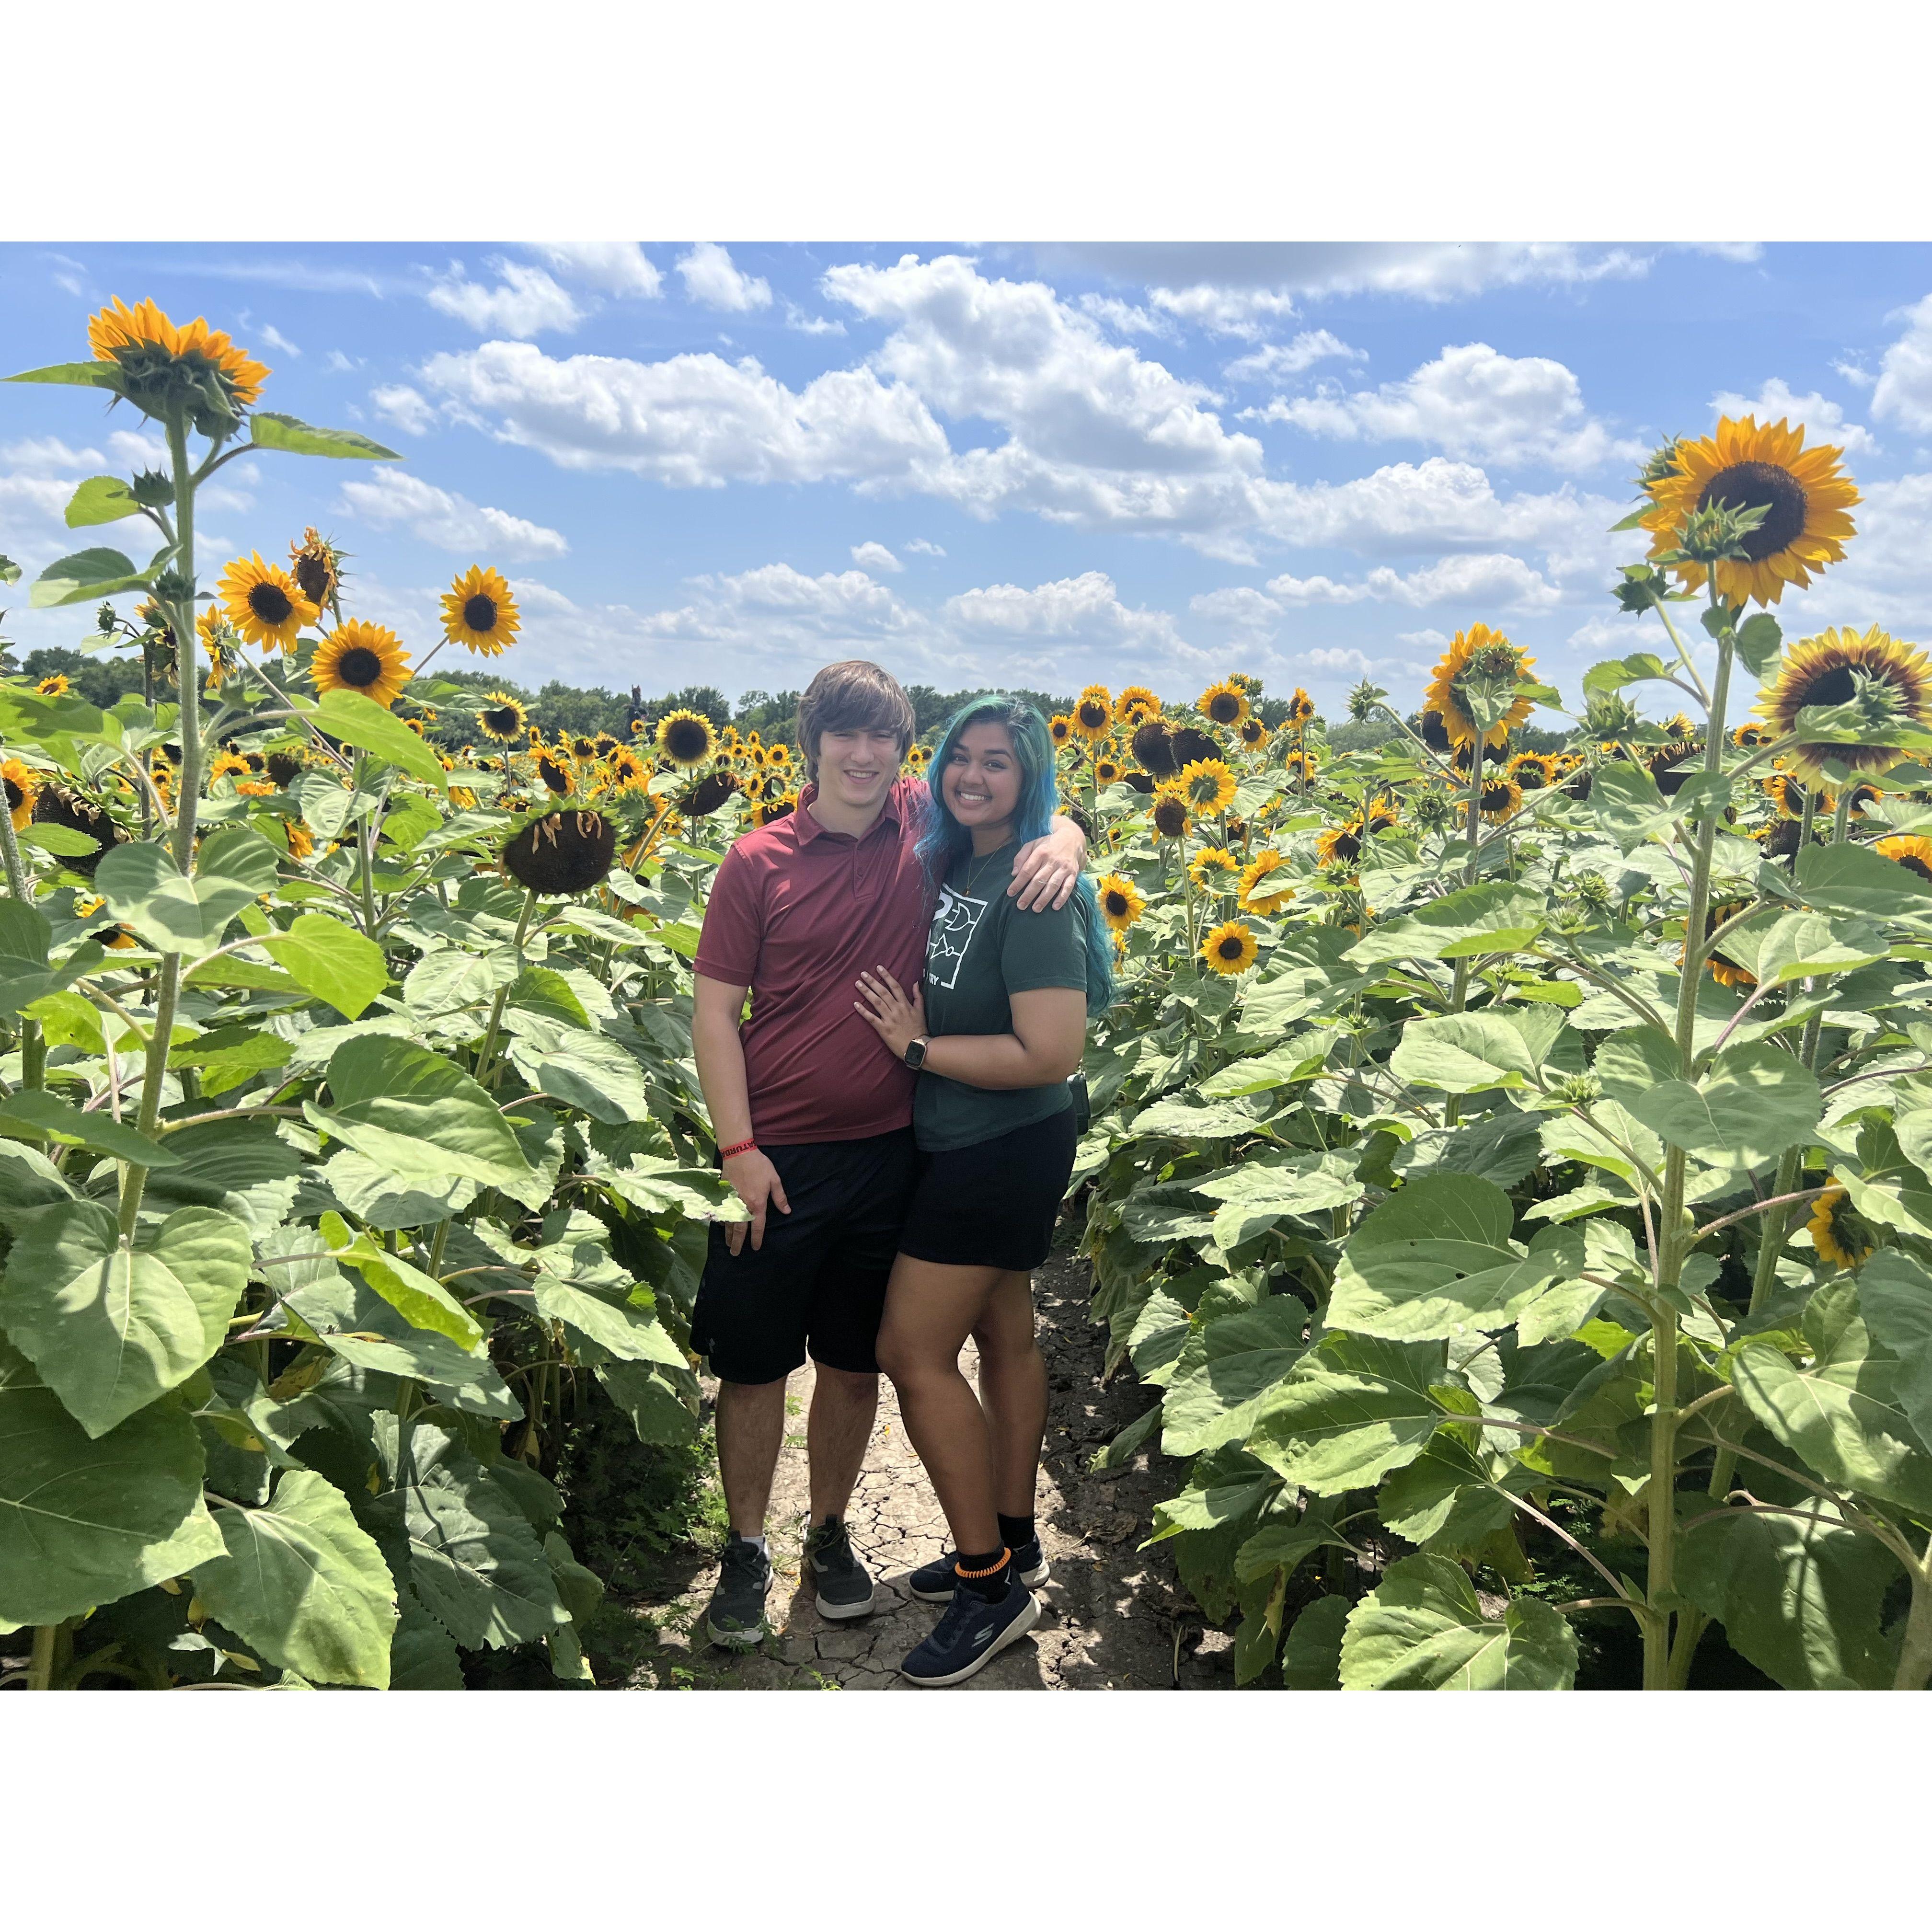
[(796, 913)]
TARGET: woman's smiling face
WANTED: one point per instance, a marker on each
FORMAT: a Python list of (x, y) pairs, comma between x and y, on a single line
[(981, 783)]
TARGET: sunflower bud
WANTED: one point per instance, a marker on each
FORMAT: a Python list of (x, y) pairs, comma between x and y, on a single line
[(1611, 716), (105, 620), (152, 489), (1717, 531), (1578, 1089), (1363, 699)]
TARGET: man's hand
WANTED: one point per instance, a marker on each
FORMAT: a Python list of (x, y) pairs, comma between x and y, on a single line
[(756, 1182), (1046, 870)]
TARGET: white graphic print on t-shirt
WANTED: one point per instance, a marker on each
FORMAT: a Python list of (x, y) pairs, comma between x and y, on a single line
[(954, 921)]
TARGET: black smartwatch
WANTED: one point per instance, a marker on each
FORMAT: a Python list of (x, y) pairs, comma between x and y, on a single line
[(915, 1054)]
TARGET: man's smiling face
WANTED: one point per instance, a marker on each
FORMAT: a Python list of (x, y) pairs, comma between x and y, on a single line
[(855, 767)]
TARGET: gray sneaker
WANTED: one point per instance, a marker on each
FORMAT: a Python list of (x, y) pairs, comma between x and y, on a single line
[(845, 1588), (736, 1616)]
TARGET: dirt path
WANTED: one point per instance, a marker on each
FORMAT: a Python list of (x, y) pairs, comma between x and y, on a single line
[(1111, 1610)]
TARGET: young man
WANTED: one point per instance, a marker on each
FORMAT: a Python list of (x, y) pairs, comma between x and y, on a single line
[(814, 1124)]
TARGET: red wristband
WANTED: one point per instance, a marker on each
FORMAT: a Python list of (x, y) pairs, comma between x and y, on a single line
[(743, 1146)]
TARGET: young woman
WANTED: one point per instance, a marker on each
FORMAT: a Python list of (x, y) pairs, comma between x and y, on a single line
[(995, 1031)]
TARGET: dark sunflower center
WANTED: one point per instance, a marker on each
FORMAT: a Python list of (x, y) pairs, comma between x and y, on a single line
[(1746, 486), (686, 741), (1225, 708), (312, 573), (14, 796), (1117, 902), (1835, 686), (271, 603), (1911, 862), (1435, 733), (502, 721), (479, 613), (1093, 716), (359, 666), (1347, 845), (1230, 948)]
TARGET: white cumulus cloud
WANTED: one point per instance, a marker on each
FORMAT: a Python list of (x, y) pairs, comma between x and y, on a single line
[(614, 267), (443, 518), (1824, 419), (525, 302), (407, 408), (1274, 360), (1903, 393), (711, 277), (874, 557)]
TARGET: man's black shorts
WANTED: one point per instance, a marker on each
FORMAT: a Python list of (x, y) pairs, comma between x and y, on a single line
[(818, 1283)]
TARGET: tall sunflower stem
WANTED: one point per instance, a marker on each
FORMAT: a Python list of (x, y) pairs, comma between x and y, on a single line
[(33, 1041), (188, 663), (1676, 1227), (486, 1054)]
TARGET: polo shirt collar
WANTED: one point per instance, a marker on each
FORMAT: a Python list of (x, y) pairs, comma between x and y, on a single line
[(809, 828)]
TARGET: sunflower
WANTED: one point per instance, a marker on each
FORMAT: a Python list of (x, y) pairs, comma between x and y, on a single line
[(158, 357), (479, 613), (1340, 845), (264, 603), (1261, 891), (1214, 870), (553, 776), (1723, 970), (56, 686), (1914, 854), (1381, 814), (1749, 737), (686, 738), (1532, 770), (626, 767), (1106, 770), (301, 842), (228, 765), (1827, 670), (1303, 765), (1207, 785), (22, 788), (778, 808), (1192, 747), (1121, 903), (1301, 709), (56, 805), (317, 566), (1478, 658), (702, 799), (1136, 698), (1093, 713), (1253, 733), (1805, 492), (1788, 795), (567, 852), (1171, 819), (1502, 798), (1230, 948), (1838, 1231), (363, 657), (1152, 748), (1224, 704), (780, 755), (503, 719)]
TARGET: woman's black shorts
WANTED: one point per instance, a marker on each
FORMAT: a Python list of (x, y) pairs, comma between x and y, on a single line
[(993, 1205)]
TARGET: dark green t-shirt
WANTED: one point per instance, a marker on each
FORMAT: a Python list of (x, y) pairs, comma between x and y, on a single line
[(981, 949)]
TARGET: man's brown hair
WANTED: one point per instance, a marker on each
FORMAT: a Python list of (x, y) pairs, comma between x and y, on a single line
[(854, 696)]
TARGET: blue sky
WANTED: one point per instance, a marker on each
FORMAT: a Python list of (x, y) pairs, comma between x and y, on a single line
[(979, 464)]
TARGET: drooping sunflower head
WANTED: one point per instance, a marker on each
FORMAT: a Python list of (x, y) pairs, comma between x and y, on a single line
[(284, 767), (1472, 689), (479, 613), (1152, 747), (1260, 889), (1121, 903), (1193, 747), (567, 852), (686, 738), (1534, 771), (1840, 1235), (1170, 811), (701, 799), (553, 774), (361, 656), (1136, 698), (502, 719), (1223, 703), (163, 364), (316, 565), (1093, 713), (1253, 733), (1214, 870), (1914, 854), (57, 805), (1060, 728), (1804, 493), (1725, 972), (1891, 680), (264, 603), (21, 788), (1300, 709), (1231, 948), (1502, 798), (1207, 785), (301, 841), (1340, 845)]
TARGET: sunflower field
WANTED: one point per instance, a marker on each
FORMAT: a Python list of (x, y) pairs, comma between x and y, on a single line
[(1510, 1174)]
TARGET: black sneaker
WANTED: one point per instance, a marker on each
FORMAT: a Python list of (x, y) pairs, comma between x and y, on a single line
[(932, 1582), (736, 1616), (972, 1633), (844, 1587)]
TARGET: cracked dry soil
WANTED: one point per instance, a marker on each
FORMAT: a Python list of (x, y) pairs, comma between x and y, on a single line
[(1114, 1616)]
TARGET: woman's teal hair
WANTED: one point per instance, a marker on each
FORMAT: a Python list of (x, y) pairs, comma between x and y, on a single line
[(944, 839)]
